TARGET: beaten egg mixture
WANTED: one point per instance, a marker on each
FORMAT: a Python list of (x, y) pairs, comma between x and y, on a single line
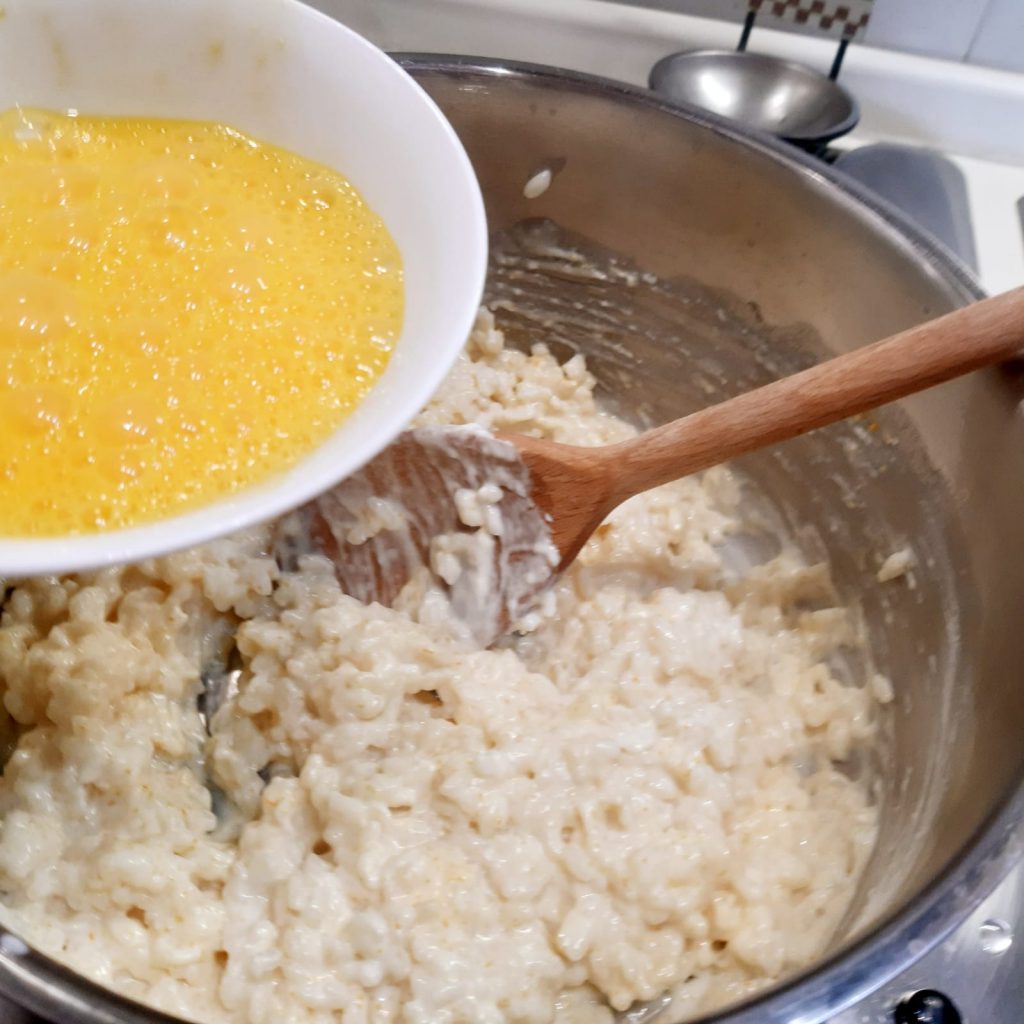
[(183, 312)]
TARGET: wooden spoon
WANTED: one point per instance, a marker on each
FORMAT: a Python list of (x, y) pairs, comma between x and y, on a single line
[(549, 498)]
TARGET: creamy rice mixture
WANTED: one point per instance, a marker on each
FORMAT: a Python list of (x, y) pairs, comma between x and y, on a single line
[(640, 795)]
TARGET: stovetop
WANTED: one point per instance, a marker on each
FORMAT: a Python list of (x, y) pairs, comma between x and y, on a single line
[(977, 974)]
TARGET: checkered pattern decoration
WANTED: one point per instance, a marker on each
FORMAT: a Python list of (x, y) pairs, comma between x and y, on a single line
[(845, 19)]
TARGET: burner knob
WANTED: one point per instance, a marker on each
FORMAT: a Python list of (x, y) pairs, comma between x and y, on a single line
[(926, 1007)]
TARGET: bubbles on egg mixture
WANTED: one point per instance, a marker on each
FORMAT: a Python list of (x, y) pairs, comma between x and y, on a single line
[(183, 312)]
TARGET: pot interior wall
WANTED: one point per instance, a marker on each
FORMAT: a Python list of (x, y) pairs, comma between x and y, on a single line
[(689, 266)]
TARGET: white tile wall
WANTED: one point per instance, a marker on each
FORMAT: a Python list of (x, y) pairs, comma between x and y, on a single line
[(999, 42), (939, 28), (987, 32)]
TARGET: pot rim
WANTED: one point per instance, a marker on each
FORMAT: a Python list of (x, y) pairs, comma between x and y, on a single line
[(849, 973)]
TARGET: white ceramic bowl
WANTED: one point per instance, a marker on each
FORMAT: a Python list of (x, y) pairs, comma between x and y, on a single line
[(292, 76)]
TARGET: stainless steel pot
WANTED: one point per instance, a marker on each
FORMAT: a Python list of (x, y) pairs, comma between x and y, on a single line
[(691, 261)]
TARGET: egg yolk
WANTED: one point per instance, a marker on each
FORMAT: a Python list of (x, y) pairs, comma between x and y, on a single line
[(184, 311)]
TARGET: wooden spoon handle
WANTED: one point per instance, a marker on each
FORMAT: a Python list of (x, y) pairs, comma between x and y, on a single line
[(986, 332)]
